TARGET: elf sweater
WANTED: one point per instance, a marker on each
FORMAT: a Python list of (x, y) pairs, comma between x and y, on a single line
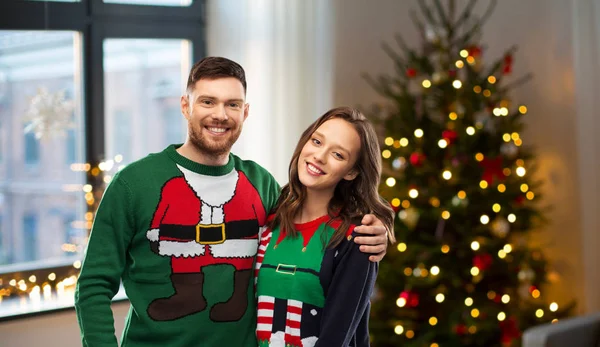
[(310, 295), (182, 237)]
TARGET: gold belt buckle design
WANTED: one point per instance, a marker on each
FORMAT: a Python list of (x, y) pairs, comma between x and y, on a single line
[(199, 227), (286, 269)]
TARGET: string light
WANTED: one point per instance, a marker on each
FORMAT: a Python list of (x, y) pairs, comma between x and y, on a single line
[(477, 89), (470, 60), (501, 254), (418, 133), (453, 116), (470, 131), (391, 181), (447, 175), (523, 109), (505, 298), (404, 142), (464, 53), (474, 313), (398, 329), (501, 188), (511, 218), (492, 79), (396, 144), (496, 208), (413, 193), (395, 202), (426, 83), (530, 195), (401, 302), (479, 156), (462, 194), (433, 321), (388, 141), (524, 187), (553, 307), (521, 171), (536, 293), (435, 270), (445, 249), (474, 245), (507, 248), (506, 137), (487, 93), (484, 219), (435, 202), (445, 214), (402, 247), (501, 316), (474, 271), (483, 184), (457, 84), (410, 334), (539, 313), (442, 143), (468, 301), (386, 153)]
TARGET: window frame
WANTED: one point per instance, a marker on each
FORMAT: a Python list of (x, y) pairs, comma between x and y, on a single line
[(97, 21)]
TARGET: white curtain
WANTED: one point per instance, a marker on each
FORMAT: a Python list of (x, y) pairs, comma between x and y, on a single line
[(285, 48), (586, 43)]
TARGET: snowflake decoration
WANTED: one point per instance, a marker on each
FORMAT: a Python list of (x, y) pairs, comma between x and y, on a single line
[(49, 114)]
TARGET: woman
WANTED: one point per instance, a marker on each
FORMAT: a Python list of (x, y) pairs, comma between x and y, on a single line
[(314, 284)]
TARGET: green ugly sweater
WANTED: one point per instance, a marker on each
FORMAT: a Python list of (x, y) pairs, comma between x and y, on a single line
[(182, 238)]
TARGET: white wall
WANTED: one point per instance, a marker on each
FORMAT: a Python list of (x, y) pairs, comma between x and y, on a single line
[(544, 31)]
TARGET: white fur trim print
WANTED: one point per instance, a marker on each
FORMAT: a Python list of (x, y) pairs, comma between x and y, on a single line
[(180, 249), (235, 248), (277, 339), (309, 341), (214, 190), (152, 234)]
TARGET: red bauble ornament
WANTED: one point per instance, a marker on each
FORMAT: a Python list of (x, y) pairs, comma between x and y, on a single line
[(460, 329), (519, 200), (412, 298), (492, 168), (450, 136), (417, 159), (410, 72), (474, 51), (508, 61), (482, 261), (510, 330)]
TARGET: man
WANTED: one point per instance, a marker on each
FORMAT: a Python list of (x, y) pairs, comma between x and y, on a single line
[(180, 229)]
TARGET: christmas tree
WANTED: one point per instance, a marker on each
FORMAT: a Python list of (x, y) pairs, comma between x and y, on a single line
[(460, 178)]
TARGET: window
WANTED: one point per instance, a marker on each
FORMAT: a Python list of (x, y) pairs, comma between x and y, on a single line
[(29, 241), (71, 146), (32, 149), (142, 77), (78, 85), (152, 2)]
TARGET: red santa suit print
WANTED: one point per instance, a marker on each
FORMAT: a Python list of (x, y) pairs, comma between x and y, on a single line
[(205, 220)]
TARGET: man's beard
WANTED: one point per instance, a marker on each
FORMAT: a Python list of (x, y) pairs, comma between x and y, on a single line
[(209, 146)]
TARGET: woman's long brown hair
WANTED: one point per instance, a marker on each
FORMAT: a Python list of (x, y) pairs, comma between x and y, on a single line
[(351, 199)]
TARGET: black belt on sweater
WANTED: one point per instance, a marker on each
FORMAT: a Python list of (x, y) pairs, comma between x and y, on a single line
[(290, 269), (211, 234)]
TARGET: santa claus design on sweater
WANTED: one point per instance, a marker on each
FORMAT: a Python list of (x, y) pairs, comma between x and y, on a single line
[(200, 221)]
